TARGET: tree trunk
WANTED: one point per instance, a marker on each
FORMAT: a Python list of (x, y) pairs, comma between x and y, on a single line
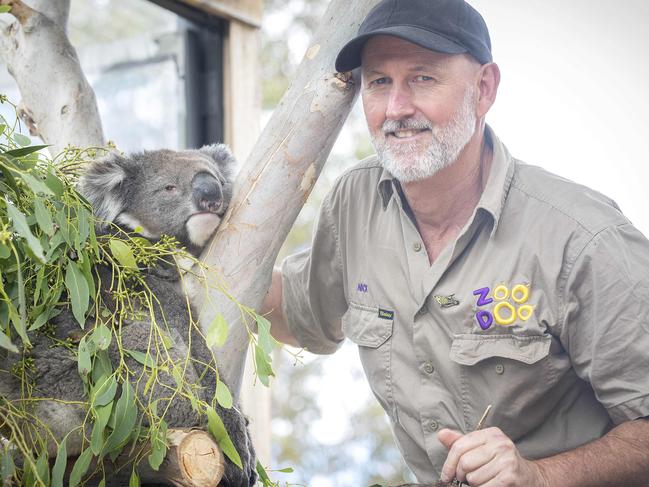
[(58, 104), (276, 181)]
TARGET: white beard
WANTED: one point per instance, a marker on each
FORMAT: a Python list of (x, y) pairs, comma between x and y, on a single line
[(411, 162)]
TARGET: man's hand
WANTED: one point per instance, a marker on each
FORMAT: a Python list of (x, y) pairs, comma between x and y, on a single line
[(487, 458)]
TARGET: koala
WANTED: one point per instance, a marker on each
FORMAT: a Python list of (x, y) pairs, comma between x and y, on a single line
[(183, 194)]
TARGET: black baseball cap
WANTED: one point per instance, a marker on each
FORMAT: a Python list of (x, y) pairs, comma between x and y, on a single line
[(448, 26)]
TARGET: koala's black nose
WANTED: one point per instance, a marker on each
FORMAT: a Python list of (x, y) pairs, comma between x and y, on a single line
[(207, 192)]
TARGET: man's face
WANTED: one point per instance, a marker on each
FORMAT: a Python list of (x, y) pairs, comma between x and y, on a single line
[(419, 105)]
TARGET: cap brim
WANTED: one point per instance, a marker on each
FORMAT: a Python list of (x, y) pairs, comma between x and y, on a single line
[(349, 56)]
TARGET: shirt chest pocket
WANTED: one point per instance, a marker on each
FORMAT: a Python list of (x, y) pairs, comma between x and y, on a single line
[(367, 326), (372, 332), (512, 373)]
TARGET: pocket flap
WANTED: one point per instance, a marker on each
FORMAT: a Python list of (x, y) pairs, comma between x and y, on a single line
[(365, 326), (469, 349)]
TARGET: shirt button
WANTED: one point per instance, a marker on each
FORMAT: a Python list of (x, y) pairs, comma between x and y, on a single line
[(428, 368), (416, 246), (500, 369), (432, 425)]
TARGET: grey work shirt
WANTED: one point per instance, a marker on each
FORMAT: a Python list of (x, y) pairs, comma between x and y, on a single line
[(540, 308)]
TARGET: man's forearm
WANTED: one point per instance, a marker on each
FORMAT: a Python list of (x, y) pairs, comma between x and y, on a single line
[(619, 458), (272, 308)]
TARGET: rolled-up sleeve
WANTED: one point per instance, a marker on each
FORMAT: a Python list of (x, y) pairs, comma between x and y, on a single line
[(313, 288), (606, 320)]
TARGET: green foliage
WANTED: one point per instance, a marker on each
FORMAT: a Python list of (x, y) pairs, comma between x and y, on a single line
[(49, 254)]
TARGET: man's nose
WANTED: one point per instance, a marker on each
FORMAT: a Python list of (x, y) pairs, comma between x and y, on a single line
[(400, 103)]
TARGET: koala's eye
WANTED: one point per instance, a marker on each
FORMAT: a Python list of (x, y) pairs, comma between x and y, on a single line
[(170, 187)]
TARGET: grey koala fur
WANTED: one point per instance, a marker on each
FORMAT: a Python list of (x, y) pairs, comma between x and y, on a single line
[(183, 194)]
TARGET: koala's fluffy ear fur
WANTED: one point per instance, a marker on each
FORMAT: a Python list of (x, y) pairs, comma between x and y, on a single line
[(221, 155), (101, 186)]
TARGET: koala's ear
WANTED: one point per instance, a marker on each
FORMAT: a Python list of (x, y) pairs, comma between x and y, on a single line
[(222, 156), (101, 185)]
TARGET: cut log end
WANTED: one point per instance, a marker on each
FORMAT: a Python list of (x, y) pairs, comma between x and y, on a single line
[(200, 461)]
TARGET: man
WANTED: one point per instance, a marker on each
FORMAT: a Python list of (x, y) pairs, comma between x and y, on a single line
[(469, 279)]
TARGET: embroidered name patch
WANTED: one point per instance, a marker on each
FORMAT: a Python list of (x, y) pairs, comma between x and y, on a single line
[(503, 313), (361, 287), (386, 314)]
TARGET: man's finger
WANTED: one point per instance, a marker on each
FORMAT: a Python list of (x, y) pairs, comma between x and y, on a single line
[(475, 465), (447, 437), (458, 447)]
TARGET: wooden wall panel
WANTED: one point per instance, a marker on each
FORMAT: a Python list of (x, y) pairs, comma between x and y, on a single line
[(246, 11)]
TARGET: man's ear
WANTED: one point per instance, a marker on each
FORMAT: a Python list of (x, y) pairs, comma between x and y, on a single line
[(101, 185), (489, 79)]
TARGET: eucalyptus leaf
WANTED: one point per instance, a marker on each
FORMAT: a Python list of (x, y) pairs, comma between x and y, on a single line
[(22, 228), (21, 139), (223, 395), (264, 338), (134, 481), (78, 291), (58, 471), (53, 182), (264, 369), (24, 151), (40, 320), (125, 415), (80, 467), (123, 253), (7, 466), (35, 184), (101, 367), (6, 343), (263, 476), (5, 251), (84, 359), (177, 374), (42, 469), (217, 429), (158, 446), (104, 393), (83, 228), (217, 332), (102, 415), (102, 337), (144, 359), (86, 269), (19, 318), (43, 217)]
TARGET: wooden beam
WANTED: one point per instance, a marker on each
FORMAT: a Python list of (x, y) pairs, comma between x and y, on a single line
[(247, 11), (241, 88)]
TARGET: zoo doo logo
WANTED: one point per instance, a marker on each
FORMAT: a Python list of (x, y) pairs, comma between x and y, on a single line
[(504, 313)]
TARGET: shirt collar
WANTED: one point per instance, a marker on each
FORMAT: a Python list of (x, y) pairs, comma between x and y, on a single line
[(495, 191)]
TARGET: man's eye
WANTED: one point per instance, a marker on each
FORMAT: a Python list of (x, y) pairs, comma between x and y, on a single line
[(379, 81), (423, 77)]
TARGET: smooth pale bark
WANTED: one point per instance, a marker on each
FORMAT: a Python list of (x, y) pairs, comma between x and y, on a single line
[(57, 104), (276, 181)]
